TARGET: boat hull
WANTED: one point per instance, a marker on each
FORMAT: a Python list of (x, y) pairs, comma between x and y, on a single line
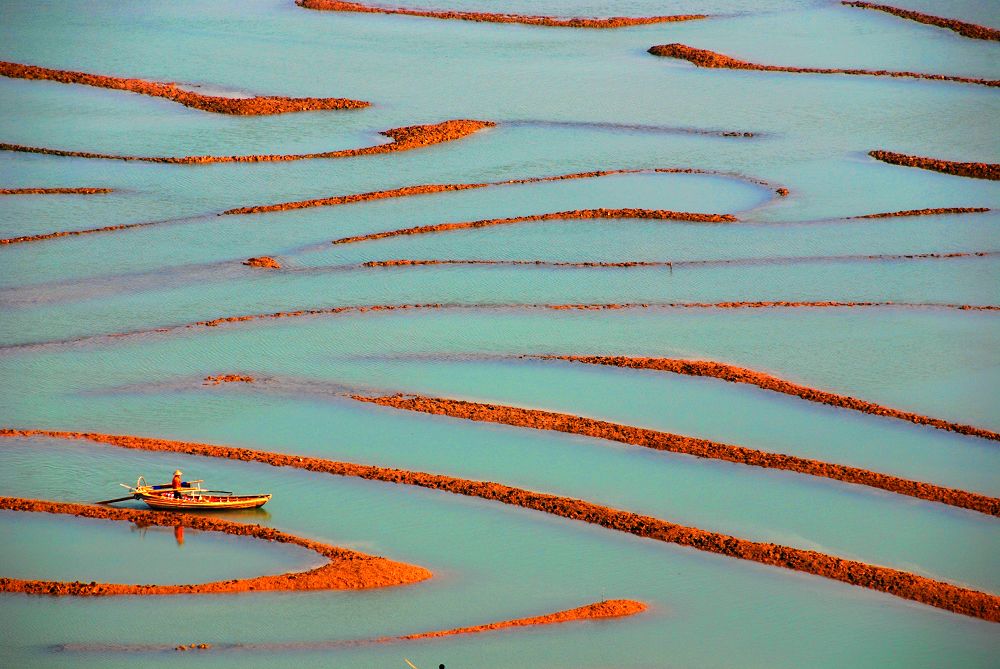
[(167, 502)]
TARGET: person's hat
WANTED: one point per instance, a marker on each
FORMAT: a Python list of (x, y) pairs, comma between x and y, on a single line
[(178, 473)]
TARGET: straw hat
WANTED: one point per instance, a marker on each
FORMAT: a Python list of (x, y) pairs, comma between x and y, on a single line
[(178, 473)]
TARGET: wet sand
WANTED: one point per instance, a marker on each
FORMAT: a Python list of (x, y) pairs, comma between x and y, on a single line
[(346, 569), (403, 139), (895, 582), (252, 106), (971, 30), (489, 17), (711, 59)]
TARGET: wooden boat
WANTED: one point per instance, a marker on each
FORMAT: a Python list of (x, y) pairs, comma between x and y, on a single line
[(165, 500), (192, 497)]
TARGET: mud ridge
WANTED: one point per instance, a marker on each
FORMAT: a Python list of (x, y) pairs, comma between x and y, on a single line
[(330, 311), (882, 579), (989, 171), (576, 214), (227, 378), (254, 106), (56, 191), (407, 262), (971, 30), (926, 212), (346, 569), (425, 189), (711, 59), (488, 17), (734, 374), (604, 610), (264, 262), (404, 139), (537, 419)]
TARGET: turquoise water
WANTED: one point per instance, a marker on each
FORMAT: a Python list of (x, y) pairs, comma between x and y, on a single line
[(564, 101)]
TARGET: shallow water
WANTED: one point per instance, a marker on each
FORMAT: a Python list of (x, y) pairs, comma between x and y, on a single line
[(565, 101)]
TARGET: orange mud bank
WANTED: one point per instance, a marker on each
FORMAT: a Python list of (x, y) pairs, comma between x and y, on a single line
[(926, 212), (227, 378), (883, 579), (735, 374), (254, 106), (403, 139), (346, 569), (711, 59), (55, 191), (607, 609), (989, 171), (264, 262), (425, 189), (537, 419), (487, 17), (577, 214), (425, 262), (972, 30)]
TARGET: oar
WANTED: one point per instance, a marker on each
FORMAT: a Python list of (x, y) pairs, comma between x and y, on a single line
[(112, 501)]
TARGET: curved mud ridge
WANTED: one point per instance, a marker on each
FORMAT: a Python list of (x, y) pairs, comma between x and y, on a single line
[(537, 419), (425, 189), (346, 569), (373, 308), (403, 139), (883, 579), (972, 30), (734, 374), (671, 264), (989, 171), (925, 212), (604, 610), (711, 59), (489, 17), (576, 214), (253, 106), (405, 191), (56, 191)]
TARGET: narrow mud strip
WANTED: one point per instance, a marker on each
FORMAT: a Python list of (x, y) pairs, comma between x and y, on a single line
[(69, 233), (607, 609), (346, 570), (972, 30), (576, 214), (711, 59), (882, 579), (404, 139), (263, 262), (251, 106), (925, 212), (227, 378), (489, 17), (989, 171), (734, 374), (537, 419), (56, 191), (790, 260), (330, 311), (425, 189)]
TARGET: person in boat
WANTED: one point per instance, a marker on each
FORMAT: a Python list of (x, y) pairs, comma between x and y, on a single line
[(177, 483)]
